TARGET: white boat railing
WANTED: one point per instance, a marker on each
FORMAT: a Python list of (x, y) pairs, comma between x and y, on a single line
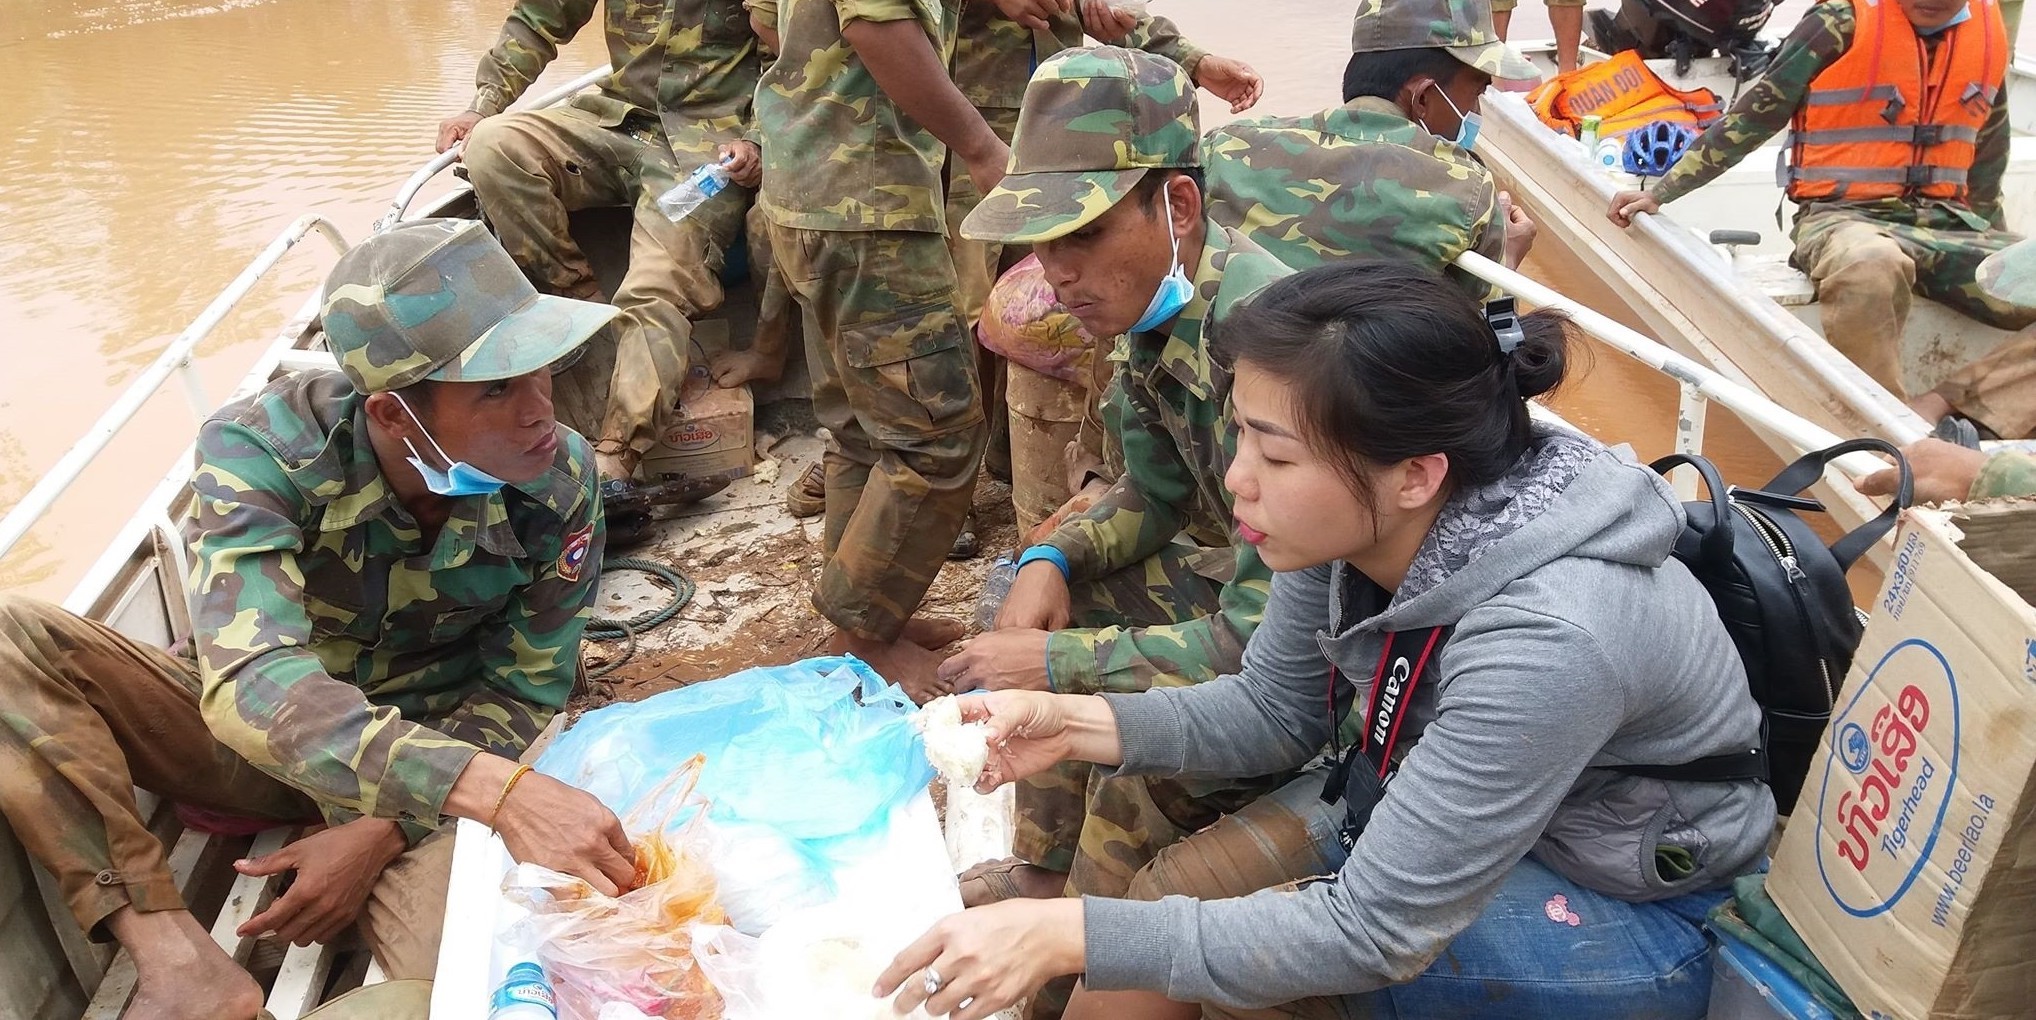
[(1698, 382), (174, 361), (410, 189)]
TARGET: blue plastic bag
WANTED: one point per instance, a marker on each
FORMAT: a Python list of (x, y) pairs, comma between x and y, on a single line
[(816, 754)]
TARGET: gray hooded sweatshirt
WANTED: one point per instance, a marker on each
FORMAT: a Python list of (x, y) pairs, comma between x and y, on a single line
[(1579, 643)]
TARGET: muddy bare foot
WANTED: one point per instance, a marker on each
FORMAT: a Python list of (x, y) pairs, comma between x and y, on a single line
[(932, 632), (614, 466), (733, 368), (1009, 879), (180, 973), (915, 669)]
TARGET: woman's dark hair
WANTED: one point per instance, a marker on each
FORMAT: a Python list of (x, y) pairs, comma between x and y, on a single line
[(1389, 361), (1381, 72)]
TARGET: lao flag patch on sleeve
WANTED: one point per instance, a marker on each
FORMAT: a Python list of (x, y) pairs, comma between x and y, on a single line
[(579, 546)]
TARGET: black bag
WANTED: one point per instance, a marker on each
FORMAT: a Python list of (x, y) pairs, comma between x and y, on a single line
[(1782, 595)]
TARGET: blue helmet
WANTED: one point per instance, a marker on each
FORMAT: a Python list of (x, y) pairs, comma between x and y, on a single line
[(1654, 147)]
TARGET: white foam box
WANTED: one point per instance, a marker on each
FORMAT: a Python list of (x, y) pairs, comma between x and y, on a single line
[(1909, 867)]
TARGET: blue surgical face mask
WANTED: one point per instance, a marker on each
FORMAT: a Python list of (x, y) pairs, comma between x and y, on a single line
[(1467, 124), (459, 478), (1174, 290), (1964, 15)]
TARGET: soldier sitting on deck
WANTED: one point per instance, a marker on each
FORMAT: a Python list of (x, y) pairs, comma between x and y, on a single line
[(1898, 142), (1390, 173), (1104, 183), (679, 97), (393, 567)]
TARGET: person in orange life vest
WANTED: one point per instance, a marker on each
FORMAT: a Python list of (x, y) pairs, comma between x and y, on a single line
[(1898, 141)]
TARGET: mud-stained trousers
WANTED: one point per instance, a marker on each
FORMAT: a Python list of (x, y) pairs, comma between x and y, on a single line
[(894, 381), (1867, 261), (87, 714), (530, 169)]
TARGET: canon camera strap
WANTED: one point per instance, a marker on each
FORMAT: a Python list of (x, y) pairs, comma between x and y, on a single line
[(1402, 668)]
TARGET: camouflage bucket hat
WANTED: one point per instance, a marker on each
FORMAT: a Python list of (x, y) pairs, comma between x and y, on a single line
[(1463, 27), (2010, 274), (1093, 122), (439, 299)]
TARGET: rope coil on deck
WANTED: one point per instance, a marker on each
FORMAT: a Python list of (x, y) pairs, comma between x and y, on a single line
[(627, 630)]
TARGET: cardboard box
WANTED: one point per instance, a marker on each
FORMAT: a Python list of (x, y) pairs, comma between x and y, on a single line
[(1909, 866), (707, 436)]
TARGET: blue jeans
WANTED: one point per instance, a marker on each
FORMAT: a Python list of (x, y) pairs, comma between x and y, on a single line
[(1547, 947), (1522, 958)]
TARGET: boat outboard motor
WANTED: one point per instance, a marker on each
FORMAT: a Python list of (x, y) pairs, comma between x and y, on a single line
[(1687, 29)]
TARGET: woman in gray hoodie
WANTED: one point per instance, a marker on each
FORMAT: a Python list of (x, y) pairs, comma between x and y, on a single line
[(1491, 602)]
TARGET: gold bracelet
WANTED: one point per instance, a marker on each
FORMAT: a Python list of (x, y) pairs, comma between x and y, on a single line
[(521, 771)]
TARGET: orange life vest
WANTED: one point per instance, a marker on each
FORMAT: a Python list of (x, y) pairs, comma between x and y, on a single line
[(1893, 118), (1624, 93)]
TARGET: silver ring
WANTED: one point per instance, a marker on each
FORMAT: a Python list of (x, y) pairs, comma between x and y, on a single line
[(933, 982)]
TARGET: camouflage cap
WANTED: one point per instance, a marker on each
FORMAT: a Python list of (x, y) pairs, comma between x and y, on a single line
[(2010, 274), (1093, 122), (439, 299), (1463, 27)]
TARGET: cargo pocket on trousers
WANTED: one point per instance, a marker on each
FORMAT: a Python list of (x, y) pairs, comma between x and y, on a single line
[(911, 376)]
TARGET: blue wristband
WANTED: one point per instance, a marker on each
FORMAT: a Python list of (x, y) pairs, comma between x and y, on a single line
[(1047, 553)]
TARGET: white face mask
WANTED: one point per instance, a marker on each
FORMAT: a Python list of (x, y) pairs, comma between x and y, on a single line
[(1467, 124), (459, 477), (1174, 289)]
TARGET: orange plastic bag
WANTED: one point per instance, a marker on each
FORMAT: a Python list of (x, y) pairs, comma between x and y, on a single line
[(636, 949)]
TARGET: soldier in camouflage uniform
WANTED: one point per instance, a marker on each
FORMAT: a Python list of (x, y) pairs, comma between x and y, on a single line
[(1999, 390), (1864, 256), (857, 115), (1379, 176), (680, 97), (1150, 586), (367, 650)]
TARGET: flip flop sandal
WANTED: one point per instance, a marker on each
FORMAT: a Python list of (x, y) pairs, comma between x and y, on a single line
[(991, 882)]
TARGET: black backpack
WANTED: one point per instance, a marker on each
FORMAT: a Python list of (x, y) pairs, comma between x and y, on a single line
[(1782, 595)]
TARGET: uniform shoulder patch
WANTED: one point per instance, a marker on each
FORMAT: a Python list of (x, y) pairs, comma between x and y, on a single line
[(573, 558)]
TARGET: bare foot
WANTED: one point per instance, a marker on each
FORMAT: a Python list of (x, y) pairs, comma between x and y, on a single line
[(915, 669), (180, 973), (1931, 406), (733, 368), (616, 465), (932, 632)]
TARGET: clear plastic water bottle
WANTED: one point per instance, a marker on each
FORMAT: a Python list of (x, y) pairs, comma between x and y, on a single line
[(996, 588), (695, 190), (524, 994)]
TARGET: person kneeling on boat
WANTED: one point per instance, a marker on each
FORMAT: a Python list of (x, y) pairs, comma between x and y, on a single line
[(1391, 173), (1898, 142), (1495, 604), (392, 566), (1150, 584)]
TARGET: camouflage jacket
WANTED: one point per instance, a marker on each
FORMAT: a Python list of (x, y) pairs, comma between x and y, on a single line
[(994, 57), (1169, 401), (2009, 472), (1766, 107), (341, 653), (695, 68), (837, 153), (1357, 180)]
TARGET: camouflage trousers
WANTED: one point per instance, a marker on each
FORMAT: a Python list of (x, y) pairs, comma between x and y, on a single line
[(1999, 390), (894, 381), (530, 169), (87, 715), (1866, 262)]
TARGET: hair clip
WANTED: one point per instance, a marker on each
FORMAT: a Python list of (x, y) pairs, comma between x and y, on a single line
[(1505, 324)]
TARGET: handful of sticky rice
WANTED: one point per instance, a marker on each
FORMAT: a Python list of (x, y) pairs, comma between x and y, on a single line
[(957, 750)]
